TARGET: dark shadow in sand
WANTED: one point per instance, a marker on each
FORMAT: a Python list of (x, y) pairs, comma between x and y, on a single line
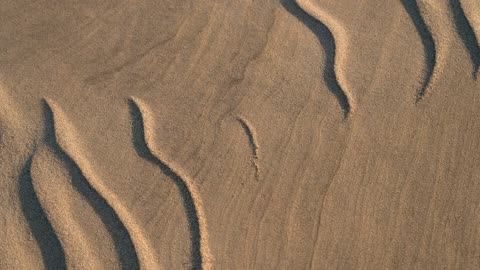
[(123, 243), (467, 34), (327, 41), (427, 40), (140, 145), (50, 247)]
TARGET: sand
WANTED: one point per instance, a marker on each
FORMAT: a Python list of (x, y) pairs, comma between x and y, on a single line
[(280, 134)]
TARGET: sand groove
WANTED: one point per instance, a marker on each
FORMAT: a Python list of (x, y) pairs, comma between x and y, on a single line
[(467, 34), (356, 145), (432, 14), (24, 219), (68, 146), (428, 42), (143, 139), (123, 244), (250, 132), (334, 42), (51, 177), (52, 251)]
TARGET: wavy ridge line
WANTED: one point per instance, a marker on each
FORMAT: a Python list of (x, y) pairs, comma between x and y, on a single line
[(51, 248), (16, 132), (74, 241), (334, 74), (143, 123), (68, 142), (428, 42), (52, 154), (122, 241), (433, 15), (467, 34), (251, 134)]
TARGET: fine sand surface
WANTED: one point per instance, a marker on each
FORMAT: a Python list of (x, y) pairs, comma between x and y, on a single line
[(274, 134)]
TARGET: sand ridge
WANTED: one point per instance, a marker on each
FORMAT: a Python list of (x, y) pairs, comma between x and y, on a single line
[(287, 134), (191, 196), (62, 131), (252, 139)]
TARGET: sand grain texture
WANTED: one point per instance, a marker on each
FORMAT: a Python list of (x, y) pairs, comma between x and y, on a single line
[(286, 134)]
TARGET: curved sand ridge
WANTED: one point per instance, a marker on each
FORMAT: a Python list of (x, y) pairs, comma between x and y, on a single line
[(428, 42), (190, 193), (252, 140), (16, 150), (69, 143), (341, 49), (471, 8), (63, 190), (438, 35), (434, 17), (48, 182), (467, 21)]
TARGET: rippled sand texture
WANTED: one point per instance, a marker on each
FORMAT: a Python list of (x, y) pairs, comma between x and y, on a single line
[(281, 134)]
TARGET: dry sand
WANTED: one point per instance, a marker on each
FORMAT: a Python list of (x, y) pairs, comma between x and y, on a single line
[(273, 134)]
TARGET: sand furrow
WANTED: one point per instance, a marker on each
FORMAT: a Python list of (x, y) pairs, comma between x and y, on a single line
[(121, 239), (250, 132), (471, 8), (49, 178), (430, 51), (134, 244), (43, 232), (333, 39), (433, 14), (35, 243), (467, 34), (144, 143)]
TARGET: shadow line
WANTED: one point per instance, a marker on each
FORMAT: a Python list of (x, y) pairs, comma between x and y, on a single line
[(467, 34), (252, 143), (327, 42), (52, 251), (426, 36), (122, 241), (141, 147)]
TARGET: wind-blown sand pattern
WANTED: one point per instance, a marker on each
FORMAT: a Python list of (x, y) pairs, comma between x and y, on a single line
[(30, 221), (434, 37), (142, 125), (53, 254), (281, 134), (428, 43), (79, 251), (334, 49), (471, 8), (251, 134), (60, 131), (466, 32)]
